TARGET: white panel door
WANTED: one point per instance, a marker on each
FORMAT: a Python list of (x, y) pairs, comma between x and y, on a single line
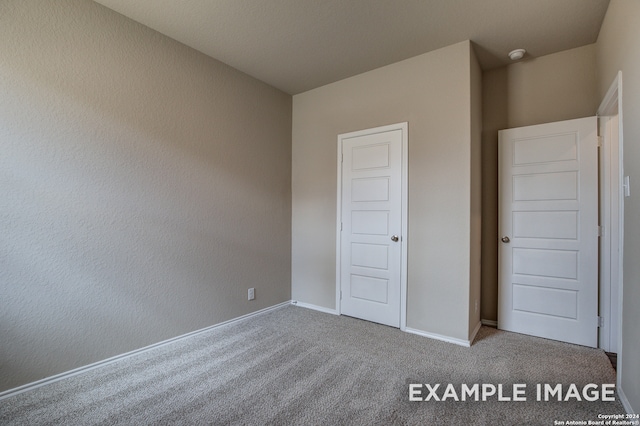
[(548, 224), (371, 216)]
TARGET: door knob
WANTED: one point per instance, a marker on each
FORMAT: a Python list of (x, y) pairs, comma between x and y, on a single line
[(505, 239), (394, 238)]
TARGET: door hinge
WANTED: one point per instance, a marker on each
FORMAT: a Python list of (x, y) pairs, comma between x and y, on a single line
[(626, 187), (600, 141), (600, 231), (340, 226), (600, 322)]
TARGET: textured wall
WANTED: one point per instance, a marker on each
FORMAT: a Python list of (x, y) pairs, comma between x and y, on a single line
[(432, 93), (556, 87), (143, 188), (617, 47)]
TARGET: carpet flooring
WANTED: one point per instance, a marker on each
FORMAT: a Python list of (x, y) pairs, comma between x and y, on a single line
[(294, 366)]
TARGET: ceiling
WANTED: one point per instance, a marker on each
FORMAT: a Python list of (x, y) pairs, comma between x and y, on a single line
[(298, 45)]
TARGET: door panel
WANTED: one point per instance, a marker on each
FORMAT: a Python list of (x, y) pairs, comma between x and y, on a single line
[(548, 208), (370, 261), (370, 255), (370, 189), (544, 187), (547, 301), (541, 224)]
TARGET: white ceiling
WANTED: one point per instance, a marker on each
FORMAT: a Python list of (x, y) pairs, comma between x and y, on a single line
[(298, 45)]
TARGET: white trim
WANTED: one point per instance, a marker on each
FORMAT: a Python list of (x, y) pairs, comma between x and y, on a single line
[(611, 104), (404, 127), (80, 370), (624, 401), (315, 307), (460, 342), (610, 101), (339, 228), (489, 323), (405, 225), (466, 343), (610, 195)]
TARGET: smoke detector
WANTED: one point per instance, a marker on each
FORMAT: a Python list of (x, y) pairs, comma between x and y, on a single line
[(516, 55)]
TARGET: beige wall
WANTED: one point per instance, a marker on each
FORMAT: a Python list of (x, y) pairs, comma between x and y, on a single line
[(432, 93), (144, 188), (555, 87), (476, 194), (617, 49), (494, 118)]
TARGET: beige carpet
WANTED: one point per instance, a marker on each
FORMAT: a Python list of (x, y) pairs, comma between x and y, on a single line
[(297, 366)]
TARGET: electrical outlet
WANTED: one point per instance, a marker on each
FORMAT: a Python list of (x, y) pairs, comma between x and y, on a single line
[(251, 294)]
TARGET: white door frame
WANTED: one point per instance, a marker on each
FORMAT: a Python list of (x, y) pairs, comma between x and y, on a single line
[(404, 128), (612, 246)]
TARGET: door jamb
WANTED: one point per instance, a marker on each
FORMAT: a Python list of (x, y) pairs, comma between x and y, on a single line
[(404, 127), (608, 221), (610, 106)]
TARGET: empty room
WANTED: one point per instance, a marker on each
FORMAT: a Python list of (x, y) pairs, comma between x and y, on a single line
[(319, 212)]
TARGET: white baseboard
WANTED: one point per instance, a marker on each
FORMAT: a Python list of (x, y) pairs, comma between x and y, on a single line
[(460, 342), (624, 400), (42, 382), (315, 307), (490, 323)]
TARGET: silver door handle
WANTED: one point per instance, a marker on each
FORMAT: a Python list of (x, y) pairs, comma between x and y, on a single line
[(394, 238), (505, 239)]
